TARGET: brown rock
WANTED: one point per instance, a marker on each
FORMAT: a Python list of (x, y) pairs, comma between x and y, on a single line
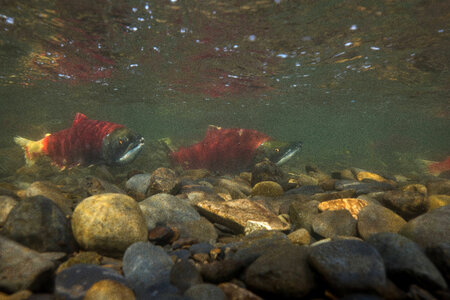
[(108, 223), (51, 192), (409, 204), (109, 290), (267, 188), (435, 201), (164, 180), (163, 235), (6, 205), (376, 218), (300, 237), (353, 205), (236, 213), (234, 292)]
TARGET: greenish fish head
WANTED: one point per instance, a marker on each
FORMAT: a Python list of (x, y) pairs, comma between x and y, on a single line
[(278, 152), (121, 146)]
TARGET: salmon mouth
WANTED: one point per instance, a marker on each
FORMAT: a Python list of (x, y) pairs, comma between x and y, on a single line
[(131, 152), (289, 152)]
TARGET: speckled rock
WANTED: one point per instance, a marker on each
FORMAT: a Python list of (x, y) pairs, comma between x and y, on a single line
[(236, 189), (74, 282), (108, 224), (233, 291), (375, 218), (268, 171), (38, 223), (6, 205), (267, 188), (332, 223), (164, 180), (408, 205), (300, 237), (429, 229), (284, 272), (405, 262), (82, 257), (108, 289), (236, 213), (16, 275), (96, 186), (439, 186), (302, 214), (164, 209), (205, 291), (349, 266), (202, 230), (146, 266), (353, 205), (184, 274)]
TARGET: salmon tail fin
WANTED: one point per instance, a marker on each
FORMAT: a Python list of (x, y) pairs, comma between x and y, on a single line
[(428, 167), (32, 149)]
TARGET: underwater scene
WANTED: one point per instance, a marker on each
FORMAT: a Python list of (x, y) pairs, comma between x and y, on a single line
[(261, 149)]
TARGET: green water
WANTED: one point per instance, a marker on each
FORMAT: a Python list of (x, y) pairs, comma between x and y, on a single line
[(362, 83)]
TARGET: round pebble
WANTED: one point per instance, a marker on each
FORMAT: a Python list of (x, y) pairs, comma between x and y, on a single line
[(108, 224), (109, 290), (267, 188)]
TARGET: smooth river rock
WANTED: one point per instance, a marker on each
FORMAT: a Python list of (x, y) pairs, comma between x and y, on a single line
[(332, 223), (108, 224), (39, 224), (405, 262), (429, 229), (349, 266), (376, 218)]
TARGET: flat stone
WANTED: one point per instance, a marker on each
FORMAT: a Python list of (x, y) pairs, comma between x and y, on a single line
[(201, 230), (439, 186), (405, 262), (39, 224), (165, 209), (353, 205), (305, 190), (7, 203), (362, 187), (376, 218), (332, 223), (429, 229), (285, 272), (96, 186), (145, 266), (349, 266), (267, 188), (236, 213), (15, 274), (333, 195), (108, 224), (237, 189), (74, 282)]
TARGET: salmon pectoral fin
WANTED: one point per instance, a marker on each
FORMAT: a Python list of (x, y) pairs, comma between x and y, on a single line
[(32, 149)]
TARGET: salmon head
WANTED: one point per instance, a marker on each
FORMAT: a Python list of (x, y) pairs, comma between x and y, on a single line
[(121, 146), (278, 152)]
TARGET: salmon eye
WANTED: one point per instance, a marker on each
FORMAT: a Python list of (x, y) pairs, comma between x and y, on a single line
[(120, 142)]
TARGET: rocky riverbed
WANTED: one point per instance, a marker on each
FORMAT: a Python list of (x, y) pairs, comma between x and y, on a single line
[(99, 233)]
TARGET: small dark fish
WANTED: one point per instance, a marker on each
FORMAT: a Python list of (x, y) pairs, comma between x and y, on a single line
[(86, 142)]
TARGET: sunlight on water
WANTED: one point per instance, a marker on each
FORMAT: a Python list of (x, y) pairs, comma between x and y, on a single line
[(362, 84)]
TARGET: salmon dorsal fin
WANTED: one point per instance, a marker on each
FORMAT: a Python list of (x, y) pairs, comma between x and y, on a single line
[(79, 117)]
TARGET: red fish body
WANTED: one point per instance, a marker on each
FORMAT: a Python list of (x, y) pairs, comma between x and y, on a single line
[(221, 150), (440, 166), (82, 144)]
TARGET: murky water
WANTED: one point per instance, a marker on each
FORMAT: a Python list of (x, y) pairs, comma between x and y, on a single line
[(362, 84)]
